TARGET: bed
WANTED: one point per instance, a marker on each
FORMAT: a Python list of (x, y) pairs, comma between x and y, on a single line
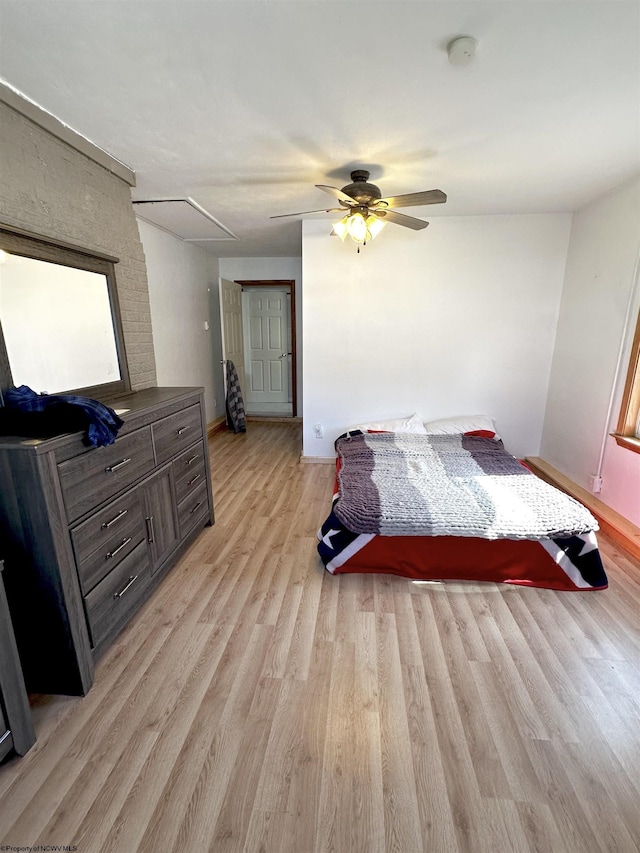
[(454, 506)]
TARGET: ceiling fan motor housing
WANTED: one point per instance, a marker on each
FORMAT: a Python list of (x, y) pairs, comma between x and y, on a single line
[(360, 190)]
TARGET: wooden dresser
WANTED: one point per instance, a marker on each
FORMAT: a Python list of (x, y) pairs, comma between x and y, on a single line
[(16, 728), (89, 532)]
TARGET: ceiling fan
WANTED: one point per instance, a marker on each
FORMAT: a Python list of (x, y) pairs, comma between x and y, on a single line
[(367, 212)]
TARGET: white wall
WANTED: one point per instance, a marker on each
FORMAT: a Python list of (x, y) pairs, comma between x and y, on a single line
[(256, 269), (183, 286), (457, 319), (603, 252)]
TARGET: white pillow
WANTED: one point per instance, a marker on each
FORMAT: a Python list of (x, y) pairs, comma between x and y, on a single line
[(465, 425), (408, 424)]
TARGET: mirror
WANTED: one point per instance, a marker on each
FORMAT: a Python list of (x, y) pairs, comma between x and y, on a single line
[(59, 323)]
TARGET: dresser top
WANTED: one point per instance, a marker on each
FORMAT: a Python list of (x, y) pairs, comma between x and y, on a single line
[(136, 408)]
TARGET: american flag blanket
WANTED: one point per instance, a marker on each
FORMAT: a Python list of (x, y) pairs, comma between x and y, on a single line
[(402, 484)]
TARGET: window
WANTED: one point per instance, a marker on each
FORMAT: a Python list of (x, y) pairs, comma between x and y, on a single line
[(628, 431)]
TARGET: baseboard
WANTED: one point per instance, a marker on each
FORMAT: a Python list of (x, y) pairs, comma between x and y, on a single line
[(220, 424), (216, 425), (620, 529), (278, 419), (318, 460)]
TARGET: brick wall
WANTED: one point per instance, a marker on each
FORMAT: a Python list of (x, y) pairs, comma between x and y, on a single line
[(50, 189)]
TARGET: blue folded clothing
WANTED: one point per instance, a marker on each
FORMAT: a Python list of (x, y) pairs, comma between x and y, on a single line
[(102, 423)]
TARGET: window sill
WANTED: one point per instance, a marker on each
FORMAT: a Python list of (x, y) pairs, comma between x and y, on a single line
[(627, 441)]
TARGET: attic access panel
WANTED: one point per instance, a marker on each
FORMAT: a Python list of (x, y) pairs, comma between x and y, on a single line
[(184, 218)]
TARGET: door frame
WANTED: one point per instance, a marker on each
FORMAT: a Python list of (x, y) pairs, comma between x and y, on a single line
[(290, 286)]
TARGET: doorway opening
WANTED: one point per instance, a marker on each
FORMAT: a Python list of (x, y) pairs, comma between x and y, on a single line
[(260, 318)]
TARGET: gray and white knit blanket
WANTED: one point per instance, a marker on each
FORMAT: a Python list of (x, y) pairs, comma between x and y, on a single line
[(397, 484)]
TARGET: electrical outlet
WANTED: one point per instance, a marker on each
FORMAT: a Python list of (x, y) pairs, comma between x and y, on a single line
[(319, 432)]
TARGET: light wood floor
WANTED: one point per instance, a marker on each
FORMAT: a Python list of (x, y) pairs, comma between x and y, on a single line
[(257, 703)]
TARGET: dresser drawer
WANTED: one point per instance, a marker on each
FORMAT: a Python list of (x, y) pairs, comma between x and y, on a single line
[(94, 477), (6, 741), (99, 531), (193, 509), (189, 471), (106, 538), (175, 433), (117, 595)]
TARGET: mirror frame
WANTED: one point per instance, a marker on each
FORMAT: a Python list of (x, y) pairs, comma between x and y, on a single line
[(28, 245)]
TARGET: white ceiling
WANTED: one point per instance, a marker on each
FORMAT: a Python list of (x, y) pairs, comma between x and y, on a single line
[(243, 106)]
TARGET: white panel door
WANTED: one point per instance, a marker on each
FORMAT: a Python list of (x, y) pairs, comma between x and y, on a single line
[(268, 351), (231, 323)]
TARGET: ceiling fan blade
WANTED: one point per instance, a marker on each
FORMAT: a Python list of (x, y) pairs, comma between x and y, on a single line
[(304, 212), (400, 219), (416, 199), (337, 193)]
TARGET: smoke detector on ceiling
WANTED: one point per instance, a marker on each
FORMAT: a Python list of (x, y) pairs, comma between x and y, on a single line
[(461, 50)]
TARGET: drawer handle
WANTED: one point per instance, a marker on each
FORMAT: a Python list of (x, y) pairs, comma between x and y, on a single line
[(193, 459), (181, 430), (122, 545), (194, 479), (105, 525), (115, 467), (130, 583), (150, 532), (199, 504)]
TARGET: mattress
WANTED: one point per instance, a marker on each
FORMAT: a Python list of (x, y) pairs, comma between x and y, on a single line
[(465, 513)]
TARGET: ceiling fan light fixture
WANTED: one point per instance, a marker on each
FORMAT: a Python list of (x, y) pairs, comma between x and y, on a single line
[(367, 212), (361, 226), (357, 227), (340, 228), (375, 225)]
